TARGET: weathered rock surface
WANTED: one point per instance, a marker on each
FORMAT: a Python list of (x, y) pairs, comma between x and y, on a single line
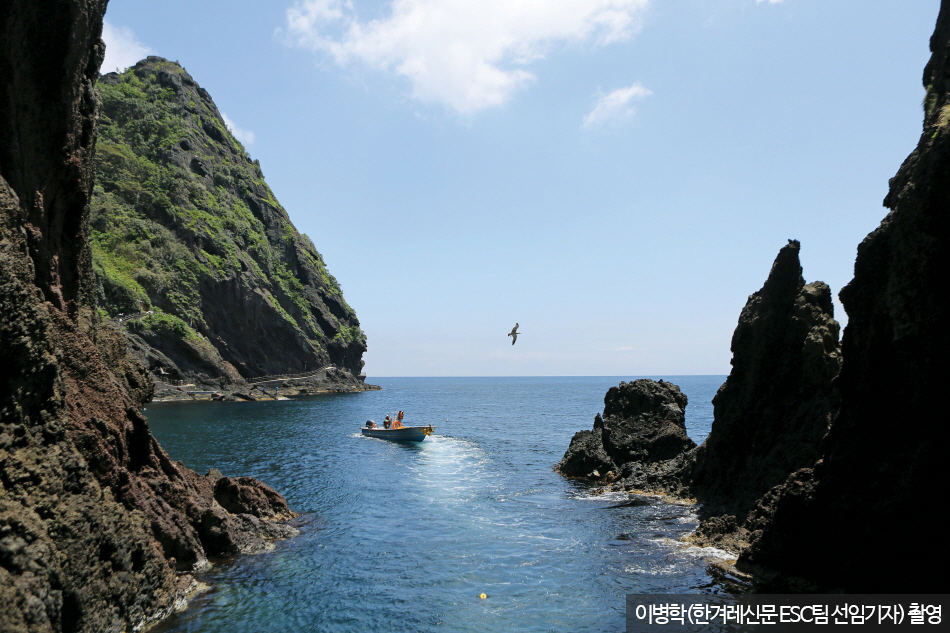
[(859, 508), (865, 517), (184, 223), (770, 414), (641, 437), (246, 495), (95, 518), (191, 360), (586, 458), (722, 532), (776, 405)]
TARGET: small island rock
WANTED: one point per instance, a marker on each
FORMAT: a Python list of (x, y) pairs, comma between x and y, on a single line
[(642, 431)]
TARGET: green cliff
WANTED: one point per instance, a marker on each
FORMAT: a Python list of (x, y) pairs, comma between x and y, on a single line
[(184, 225)]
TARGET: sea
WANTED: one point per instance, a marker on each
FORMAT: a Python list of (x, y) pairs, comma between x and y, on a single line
[(409, 536)]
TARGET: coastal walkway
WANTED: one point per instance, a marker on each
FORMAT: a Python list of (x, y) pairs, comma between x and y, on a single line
[(122, 317), (259, 381), (264, 381)]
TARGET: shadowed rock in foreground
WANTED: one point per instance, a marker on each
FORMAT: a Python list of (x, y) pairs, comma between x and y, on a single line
[(776, 405), (864, 517), (860, 510), (95, 518)]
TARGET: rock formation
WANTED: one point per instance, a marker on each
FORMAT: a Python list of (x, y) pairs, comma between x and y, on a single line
[(95, 518), (859, 509), (866, 516), (776, 406), (770, 414), (586, 457), (641, 437), (184, 224)]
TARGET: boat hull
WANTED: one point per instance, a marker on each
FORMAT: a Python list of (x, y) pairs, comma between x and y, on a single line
[(405, 434)]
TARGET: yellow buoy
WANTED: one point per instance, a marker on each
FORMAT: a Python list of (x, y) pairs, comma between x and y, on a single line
[(482, 596)]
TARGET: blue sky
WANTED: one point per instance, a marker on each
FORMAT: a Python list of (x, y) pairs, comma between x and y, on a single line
[(615, 175)]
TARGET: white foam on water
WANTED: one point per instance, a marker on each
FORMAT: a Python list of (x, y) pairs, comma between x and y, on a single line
[(613, 496), (708, 553), (694, 551), (652, 570), (453, 470)]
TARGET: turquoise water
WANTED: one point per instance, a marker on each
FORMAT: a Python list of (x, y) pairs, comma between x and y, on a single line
[(404, 537)]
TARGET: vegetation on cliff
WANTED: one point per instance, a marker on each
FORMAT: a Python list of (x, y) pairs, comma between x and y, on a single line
[(184, 223)]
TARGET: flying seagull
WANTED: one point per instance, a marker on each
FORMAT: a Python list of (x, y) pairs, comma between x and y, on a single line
[(514, 334)]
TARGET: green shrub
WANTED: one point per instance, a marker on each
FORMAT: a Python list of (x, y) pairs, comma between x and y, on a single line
[(162, 323)]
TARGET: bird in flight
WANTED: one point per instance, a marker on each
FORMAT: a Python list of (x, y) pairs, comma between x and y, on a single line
[(514, 334)]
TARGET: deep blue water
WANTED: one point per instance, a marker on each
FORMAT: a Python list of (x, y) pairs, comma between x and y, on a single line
[(404, 537)]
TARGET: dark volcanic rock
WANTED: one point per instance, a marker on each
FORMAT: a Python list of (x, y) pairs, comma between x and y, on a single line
[(586, 458), (776, 405), (865, 517), (770, 415), (642, 435), (645, 421), (852, 505), (95, 518), (722, 532)]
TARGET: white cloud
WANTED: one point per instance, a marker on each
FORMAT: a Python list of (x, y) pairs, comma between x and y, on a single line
[(466, 55), (122, 49), (769, 1), (615, 105), (245, 136)]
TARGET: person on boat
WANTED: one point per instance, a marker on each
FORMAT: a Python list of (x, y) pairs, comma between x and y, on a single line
[(387, 422), (370, 424)]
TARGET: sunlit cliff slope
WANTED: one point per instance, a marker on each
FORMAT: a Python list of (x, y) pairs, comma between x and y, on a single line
[(184, 224)]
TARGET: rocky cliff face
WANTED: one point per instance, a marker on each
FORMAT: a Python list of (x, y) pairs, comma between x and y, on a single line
[(95, 518), (856, 510), (770, 415), (183, 223), (776, 406), (876, 484)]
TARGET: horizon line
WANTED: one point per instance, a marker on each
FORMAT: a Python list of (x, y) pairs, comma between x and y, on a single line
[(549, 376)]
